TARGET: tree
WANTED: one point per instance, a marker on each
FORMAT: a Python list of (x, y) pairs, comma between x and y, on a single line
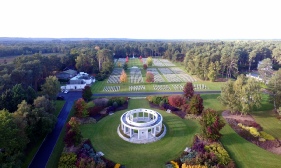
[(87, 93), (265, 69), (47, 106), (73, 134), (144, 66), (276, 53), (125, 66), (241, 95), (212, 72), (84, 63), (149, 77), (12, 143), (195, 105), (81, 108), (252, 56), (149, 61), (188, 90), (274, 87), (228, 97), (176, 100), (123, 77), (51, 87), (211, 124)]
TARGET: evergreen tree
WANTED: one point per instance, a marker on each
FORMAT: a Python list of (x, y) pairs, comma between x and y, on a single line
[(87, 93)]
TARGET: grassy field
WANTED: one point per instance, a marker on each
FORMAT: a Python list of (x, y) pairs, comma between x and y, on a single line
[(32, 152), (105, 138)]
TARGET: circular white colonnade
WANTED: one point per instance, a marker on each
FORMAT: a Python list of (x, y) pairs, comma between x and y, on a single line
[(141, 126)]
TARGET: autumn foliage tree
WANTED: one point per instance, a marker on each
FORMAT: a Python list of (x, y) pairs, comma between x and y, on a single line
[(144, 66), (195, 105), (149, 77), (81, 108), (188, 90), (176, 100), (73, 134), (211, 124), (149, 61), (123, 77)]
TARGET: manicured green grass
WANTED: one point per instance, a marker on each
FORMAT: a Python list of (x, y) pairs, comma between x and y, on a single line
[(269, 122), (55, 156), (266, 117), (98, 86), (104, 138), (211, 101), (59, 106), (246, 154)]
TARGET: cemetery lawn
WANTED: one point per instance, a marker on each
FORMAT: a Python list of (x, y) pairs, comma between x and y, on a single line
[(104, 138), (98, 86)]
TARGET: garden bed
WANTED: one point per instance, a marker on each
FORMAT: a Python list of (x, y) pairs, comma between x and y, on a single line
[(246, 127), (203, 154)]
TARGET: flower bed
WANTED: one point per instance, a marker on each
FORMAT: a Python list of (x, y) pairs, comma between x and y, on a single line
[(84, 156), (253, 132), (204, 154)]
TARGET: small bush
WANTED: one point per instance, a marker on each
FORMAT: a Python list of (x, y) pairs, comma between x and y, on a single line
[(220, 152), (266, 136), (67, 160), (119, 100), (93, 111), (117, 165), (101, 102)]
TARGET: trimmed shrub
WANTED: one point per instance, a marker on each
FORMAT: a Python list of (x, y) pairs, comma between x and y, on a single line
[(93, 111), (266, 136), (220, 152), (101, 102), (67, 160), (119, 100)]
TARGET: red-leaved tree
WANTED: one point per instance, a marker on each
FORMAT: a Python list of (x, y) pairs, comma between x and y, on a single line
[(188, 90), (176, 100), (149, 77), (195, 105), (144, 66)]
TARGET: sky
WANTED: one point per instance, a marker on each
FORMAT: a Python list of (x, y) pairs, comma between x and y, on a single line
[(141, 19)]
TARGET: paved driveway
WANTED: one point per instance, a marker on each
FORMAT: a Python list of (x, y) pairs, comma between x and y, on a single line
[(42, 156)]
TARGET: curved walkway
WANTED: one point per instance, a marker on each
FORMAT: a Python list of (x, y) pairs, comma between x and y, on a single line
[(44, 152)]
